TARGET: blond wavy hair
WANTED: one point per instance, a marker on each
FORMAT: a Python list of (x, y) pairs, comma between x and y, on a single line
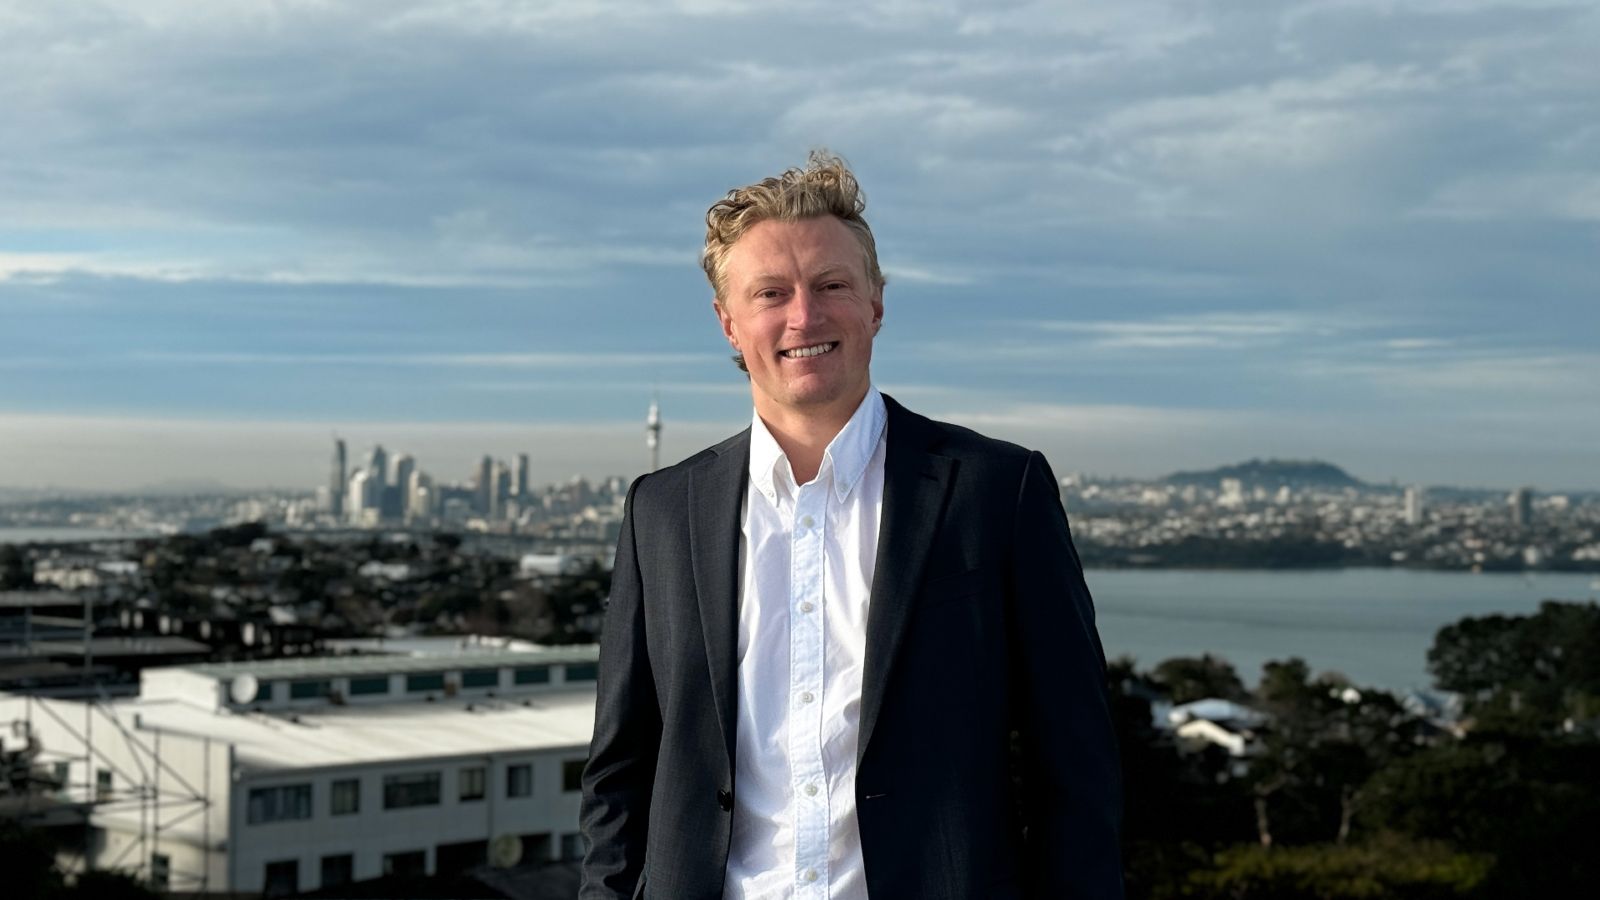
[(825, 187)]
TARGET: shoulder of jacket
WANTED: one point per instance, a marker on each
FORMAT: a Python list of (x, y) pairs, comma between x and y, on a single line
[(951, 440), (673, 479)]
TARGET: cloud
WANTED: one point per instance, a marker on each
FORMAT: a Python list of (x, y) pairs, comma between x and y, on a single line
[(562, 361), (1219, 331)]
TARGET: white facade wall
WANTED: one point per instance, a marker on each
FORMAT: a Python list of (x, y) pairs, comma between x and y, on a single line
[(547, 816), (160, 782)]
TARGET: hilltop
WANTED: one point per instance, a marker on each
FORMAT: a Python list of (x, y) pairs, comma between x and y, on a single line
[(1272, 473)]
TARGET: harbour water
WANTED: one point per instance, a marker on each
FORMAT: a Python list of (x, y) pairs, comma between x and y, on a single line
[(54, 534), (1372, 625)]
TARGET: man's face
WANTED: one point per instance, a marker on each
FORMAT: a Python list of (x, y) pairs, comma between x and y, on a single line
[(799, 305)]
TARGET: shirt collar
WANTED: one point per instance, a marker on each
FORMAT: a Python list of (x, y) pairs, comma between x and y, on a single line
[(845, 458)]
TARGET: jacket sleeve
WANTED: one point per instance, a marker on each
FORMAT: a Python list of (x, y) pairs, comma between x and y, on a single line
[(620, 774), (1072, 783)]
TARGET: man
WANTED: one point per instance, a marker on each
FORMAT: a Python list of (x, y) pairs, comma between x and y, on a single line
[(849, 652)]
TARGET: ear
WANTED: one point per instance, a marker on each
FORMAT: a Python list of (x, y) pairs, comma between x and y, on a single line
[(726, 321), (877, 310)]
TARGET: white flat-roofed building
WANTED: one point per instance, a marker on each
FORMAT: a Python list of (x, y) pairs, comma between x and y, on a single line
[(291, 775)]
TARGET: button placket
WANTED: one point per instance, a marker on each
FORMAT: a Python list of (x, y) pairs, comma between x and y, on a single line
[(807, 627)]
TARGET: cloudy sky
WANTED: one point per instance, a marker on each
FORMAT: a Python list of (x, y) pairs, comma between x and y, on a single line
[(1141, 236)]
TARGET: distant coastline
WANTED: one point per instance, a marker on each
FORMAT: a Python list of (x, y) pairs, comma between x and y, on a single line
[(67, 534)]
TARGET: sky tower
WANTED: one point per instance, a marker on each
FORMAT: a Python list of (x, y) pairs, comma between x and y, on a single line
[(652, 433)]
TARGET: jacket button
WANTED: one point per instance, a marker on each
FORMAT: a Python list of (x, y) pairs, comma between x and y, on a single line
[(725, 800)]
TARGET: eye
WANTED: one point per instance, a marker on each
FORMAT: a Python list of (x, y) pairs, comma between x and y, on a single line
[(835, 286), (767, 294)]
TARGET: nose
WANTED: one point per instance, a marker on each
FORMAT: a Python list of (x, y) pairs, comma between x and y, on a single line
[(805, 309)]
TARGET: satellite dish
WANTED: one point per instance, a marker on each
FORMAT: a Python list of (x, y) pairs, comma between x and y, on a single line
[(505, 851), (243, 689)]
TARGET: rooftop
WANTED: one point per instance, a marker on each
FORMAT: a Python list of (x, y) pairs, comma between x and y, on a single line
[(379, 664)]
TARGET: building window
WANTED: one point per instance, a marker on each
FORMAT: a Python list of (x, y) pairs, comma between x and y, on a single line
[(267, 692), (536, 847), (345, 797), (375, 685), (451, 859), (573, 846), (283, 878), (426, 681), (471, 782), (102, 783), (582, 671), (480, 678), (572, 774), (279, 804), (337, 870), (411, 789), (519, 780), (63, 777), (308, 690), (533, 675), (160, 871), (411, 862)]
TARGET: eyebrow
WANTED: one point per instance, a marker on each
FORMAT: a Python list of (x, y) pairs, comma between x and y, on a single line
[(824, 272)]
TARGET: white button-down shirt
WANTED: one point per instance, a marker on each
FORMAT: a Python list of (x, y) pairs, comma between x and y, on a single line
[(807, 555)]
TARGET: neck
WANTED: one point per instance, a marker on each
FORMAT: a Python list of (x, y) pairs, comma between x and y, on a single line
[(804, 435)]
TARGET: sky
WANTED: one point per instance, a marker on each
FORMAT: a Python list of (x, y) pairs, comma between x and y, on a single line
[(1139, 236)]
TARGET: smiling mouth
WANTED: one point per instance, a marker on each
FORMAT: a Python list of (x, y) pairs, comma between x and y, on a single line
[(807, 352)]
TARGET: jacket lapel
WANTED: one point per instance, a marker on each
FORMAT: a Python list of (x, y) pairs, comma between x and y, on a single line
[(716, 495), (916, 483)]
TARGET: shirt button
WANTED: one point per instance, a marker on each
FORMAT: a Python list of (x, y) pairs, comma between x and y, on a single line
[(807, 521), (811, 790), (806, 697), (811, 874), (807, 606)]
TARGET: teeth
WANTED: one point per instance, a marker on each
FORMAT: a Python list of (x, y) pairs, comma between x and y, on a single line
[(803, 352)]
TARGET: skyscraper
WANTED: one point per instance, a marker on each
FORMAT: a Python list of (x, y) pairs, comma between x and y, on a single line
[(522, 479), (360, 495), (485, 486), (337, 479), (652, 433), (404, 465), (378, 469), (421, 500)]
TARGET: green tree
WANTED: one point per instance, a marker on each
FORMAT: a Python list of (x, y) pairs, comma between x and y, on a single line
[(1535, 671), (1325, 740), (1529, 800), (1188, 678), (1389, 868)]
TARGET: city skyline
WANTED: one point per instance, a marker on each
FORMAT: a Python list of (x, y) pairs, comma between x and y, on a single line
[(1141, 239)]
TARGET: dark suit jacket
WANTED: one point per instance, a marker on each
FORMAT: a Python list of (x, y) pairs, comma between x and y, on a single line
[(979, 626)]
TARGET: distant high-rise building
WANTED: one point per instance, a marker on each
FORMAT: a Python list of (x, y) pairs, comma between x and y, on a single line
[(338, 479), (404, 465), (652, 433), (1521, 503), (378, 468), (421, 500), (501, 492), (1414, 500), (359, 496), (522, 478), (484, 486)]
